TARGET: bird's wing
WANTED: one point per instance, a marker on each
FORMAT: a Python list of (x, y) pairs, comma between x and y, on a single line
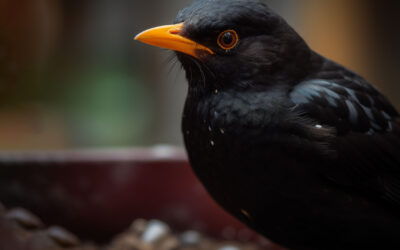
[(345, 105), (368, 133)]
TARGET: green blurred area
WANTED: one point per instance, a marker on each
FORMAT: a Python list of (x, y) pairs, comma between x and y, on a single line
[(71, 75), (107, 108)]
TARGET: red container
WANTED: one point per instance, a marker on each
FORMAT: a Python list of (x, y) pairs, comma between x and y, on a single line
[(97, 194)]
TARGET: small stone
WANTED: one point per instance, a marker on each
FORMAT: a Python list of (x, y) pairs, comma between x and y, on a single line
[(128, 241), (229, 248), (168, 243), (190, 238), (25, 218), (155, 230), (139, 226), (37, 240), (216, 91), (62, 236)]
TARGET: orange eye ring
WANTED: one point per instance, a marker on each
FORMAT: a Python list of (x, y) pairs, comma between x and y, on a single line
[(228, 39)]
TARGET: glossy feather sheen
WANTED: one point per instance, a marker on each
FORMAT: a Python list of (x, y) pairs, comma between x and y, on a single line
[(299, 148)]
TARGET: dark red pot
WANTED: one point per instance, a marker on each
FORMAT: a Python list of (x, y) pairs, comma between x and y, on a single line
[(97, 194)]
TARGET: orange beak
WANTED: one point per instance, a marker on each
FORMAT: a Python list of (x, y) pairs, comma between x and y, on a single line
[(169, 37)]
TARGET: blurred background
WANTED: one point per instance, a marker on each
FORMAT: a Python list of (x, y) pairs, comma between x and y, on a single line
[(71, 75)]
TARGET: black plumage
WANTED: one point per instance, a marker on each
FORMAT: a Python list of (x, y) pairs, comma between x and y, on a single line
[(299, 148)]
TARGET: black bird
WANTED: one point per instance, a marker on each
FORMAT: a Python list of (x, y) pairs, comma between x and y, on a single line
[(301, 149)]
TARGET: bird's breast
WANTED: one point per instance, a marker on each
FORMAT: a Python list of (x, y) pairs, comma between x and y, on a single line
[(224, 123), (233, 138)]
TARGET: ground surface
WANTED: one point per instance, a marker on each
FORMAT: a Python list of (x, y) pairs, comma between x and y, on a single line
[(21, 230)]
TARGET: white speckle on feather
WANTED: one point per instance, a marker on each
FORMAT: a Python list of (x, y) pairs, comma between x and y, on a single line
[(318, 126), (212, 143), (209, 128), (222, 130), (216, 91)]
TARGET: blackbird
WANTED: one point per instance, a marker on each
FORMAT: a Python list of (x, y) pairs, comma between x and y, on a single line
[(296, 146)]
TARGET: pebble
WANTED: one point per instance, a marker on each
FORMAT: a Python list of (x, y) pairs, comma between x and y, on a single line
[(139, 226), (229, 248), (190, 238), (62, 236), (25, 218), (155, 230), (157, 234), (169, 243)]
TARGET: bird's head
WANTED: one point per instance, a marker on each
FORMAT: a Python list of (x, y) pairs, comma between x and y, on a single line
[(232, 43)]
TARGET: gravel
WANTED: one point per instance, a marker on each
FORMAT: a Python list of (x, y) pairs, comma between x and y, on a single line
[(21, 230)]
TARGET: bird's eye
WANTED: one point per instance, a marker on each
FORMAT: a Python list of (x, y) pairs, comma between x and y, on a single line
[(228, 39)]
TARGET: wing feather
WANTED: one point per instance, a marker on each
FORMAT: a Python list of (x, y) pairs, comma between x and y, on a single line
[(367, 144)]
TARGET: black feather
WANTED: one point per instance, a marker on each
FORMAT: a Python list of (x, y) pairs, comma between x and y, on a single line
[(309, 149)]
